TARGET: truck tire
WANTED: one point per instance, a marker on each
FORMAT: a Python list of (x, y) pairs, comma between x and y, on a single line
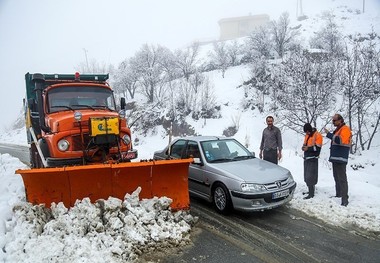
[(35, 160)]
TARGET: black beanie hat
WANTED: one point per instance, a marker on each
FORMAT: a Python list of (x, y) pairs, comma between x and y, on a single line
[(307, 127)]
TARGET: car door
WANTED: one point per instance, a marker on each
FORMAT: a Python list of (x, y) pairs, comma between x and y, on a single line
[(197, 183), (177, 149)]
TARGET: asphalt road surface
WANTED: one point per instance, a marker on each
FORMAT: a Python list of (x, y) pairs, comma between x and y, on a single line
[(279, 235), (18, 151)]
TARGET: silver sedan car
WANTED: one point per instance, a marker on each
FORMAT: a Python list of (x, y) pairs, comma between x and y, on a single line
[(225, 173)]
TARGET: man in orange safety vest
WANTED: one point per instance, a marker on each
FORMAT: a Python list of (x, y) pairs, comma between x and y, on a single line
[(312, 145), (339, 151)]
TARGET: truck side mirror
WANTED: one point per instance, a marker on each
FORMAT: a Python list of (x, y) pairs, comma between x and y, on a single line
[(122, 103), (32, 104)]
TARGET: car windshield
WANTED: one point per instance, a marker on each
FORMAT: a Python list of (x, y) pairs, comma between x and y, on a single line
[(225, 150), (80, 97)]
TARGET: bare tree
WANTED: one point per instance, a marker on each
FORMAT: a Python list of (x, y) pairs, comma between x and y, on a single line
[(183, 96), (360, 83), (186, 60), (259, 43), (208, 101), (219, 57), (126, 79), (168, 62), (196, 81), (165, 94), (233, 52), (283, 35), (376, 111), (147, 64), (195, 96), (375, 125), (258, 85), (328, 37), (305, 90)]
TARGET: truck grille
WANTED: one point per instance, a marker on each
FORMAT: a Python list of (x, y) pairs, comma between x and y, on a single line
[(77, 142)]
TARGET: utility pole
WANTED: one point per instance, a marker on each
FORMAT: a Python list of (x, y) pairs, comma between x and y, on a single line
[(299, 13), (363, 5), (85, 55)]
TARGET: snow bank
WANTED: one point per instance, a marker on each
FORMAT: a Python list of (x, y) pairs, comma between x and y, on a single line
[(108, 231)]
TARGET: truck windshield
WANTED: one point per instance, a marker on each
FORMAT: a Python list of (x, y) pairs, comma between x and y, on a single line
[(79, 97)]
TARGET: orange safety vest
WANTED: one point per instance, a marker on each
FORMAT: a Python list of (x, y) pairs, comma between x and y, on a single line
[(316, 140), (340, 144), (345, 136), (314, 143)]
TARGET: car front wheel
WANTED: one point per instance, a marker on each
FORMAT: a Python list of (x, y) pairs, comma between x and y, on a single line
[(222, 199)]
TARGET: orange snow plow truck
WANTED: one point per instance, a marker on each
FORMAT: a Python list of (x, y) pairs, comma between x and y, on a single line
[(81, 146)]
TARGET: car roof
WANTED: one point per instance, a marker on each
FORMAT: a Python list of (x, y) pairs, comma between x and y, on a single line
[(203, 138)]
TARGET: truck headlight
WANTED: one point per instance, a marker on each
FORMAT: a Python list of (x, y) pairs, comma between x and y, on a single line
[(252, 187), (126, 139), (122, 114), (77, 115), (63, 145)]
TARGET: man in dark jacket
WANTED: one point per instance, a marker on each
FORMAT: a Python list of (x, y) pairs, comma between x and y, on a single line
[(339, 151), (271, 142), (312, 145)]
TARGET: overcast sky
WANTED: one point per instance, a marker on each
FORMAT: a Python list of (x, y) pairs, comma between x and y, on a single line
[(50, 36)]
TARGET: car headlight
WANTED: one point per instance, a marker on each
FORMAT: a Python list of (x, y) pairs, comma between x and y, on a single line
[(252, 187), (63, 145), (126, 139), (290, 179)]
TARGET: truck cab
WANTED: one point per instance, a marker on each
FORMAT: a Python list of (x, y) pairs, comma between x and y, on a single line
[(73, 119)]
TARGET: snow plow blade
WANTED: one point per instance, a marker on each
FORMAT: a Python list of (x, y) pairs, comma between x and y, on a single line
[(99, 181)]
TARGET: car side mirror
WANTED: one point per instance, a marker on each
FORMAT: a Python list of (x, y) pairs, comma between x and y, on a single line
[(253, 154), (197, 161)]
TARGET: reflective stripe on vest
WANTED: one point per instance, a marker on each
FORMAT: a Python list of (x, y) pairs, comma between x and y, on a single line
[(311, 157), (338, 159)]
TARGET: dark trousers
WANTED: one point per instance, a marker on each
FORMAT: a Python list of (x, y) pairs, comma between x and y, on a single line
[(270, 155), (340, 177), (310, 171)]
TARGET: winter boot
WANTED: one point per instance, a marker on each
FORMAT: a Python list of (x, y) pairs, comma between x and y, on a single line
[(311, 192), (337, 191), (344, 201)]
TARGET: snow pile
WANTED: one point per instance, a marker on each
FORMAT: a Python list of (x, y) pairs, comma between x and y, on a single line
[(108, 231), (11, 189)]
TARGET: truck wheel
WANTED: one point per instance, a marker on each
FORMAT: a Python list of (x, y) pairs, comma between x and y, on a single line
[(35, 160), (221, 199)]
